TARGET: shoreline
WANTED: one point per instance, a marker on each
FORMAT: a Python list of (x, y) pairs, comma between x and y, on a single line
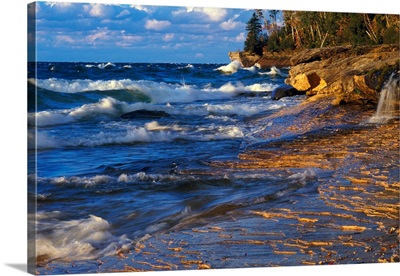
[(351, 74), (349, 215), (344, 208)]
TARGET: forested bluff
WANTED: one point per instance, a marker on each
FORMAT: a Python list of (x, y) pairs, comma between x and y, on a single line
[(345, 55)]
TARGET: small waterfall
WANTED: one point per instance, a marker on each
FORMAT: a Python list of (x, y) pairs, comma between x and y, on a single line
[(388, 105)]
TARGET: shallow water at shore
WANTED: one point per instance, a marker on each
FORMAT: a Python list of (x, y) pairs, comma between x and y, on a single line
[(344, 212)]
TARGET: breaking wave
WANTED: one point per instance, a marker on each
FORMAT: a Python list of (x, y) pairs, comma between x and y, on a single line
[(231, 68), (80, 239), (151, 132), (274, 71), (157, 92)]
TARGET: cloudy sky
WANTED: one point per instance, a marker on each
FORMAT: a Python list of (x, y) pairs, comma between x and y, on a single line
[(137, 33)]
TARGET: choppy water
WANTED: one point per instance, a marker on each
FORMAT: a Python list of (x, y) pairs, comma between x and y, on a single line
[(105, 181)]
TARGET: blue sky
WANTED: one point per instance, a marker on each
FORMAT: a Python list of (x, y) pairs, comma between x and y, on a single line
[(137, 33)]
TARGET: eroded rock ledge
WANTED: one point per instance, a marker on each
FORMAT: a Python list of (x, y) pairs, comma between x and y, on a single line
[(267, 60), (349, 74)]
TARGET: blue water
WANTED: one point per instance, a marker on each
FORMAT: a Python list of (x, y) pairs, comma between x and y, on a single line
[(105, 180)]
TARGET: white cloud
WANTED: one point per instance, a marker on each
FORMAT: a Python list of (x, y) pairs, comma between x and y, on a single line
[(231, 24), (142, 8), (214, 14), (62, 39), (97, 10), (58, 4), (123, 13), (168, 37), (157, 25), (211, 14), (126, 41), (97, 37), (240, 37), (199, 55)]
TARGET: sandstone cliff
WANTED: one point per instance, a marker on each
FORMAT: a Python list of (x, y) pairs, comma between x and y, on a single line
[(267, 60), (348, 74), (345, 73)]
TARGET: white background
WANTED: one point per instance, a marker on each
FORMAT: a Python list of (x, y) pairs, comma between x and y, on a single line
[(13, 106)]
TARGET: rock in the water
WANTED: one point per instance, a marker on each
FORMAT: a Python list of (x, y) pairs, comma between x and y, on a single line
[(285, 90), (145, 114)]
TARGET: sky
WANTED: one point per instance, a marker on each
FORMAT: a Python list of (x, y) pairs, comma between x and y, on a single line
[(101, 32), (109, 32)]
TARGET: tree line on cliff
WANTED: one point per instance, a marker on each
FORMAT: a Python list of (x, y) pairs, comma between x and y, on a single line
[(306, 29)]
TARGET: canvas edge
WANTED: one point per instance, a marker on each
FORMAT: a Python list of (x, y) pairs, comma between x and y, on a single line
[(31, 146)]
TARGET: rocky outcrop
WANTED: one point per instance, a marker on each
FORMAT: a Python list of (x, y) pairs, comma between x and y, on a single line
[(267, 60), (275, 59), (246, 59), (349, 74)]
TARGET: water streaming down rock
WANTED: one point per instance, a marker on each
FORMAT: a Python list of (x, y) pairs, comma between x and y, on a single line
[(388, 105)]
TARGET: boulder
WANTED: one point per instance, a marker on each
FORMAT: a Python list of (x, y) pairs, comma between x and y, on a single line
[(285, 90)]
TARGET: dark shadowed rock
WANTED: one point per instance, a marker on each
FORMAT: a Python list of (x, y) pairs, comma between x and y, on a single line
[(145, 114), (285, 90)]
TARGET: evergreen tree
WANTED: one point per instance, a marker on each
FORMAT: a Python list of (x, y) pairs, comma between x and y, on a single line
[(307, 29), (253, 42)]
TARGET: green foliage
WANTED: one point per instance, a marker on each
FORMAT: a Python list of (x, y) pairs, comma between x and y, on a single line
[(355, 31), (255, 40), (319, 29), (280, 41), (391, 35)]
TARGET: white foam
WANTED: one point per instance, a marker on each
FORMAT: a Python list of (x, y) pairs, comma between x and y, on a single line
[(302, 177), (155, 126), (88, 182), (388, 102), (231, 68), (80, 239), (189, 66), (110, 107), (153, 132), (149, 133), (83, 181), (229, 109), (239, 87), (253, 69), (215, 132), (158, 92), (108, 64), (80, 85), (274, 71), (221, 118), (106, 107), (132, 135), (41, 140), (149, 178)]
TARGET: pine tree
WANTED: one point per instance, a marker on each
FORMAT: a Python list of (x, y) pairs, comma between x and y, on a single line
[(253, 42)]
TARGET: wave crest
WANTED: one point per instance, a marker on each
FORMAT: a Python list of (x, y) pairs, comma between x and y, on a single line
[(81, 239), (231, 68)]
